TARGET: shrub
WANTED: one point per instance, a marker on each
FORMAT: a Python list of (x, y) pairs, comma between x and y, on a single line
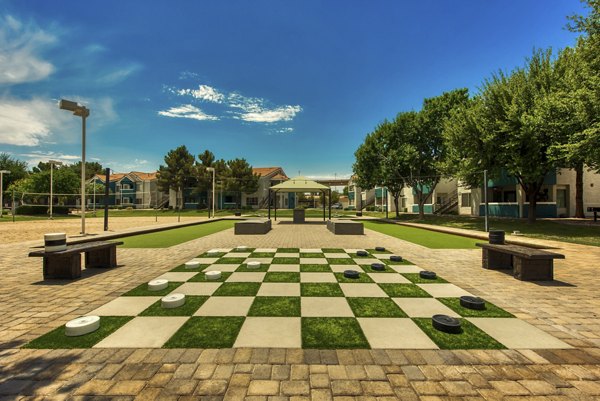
[(31, 210)]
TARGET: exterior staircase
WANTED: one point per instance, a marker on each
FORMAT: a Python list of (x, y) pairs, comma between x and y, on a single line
[(449, 205)]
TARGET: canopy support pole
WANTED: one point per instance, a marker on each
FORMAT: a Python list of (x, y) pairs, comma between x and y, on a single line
[(323, 193), (269, 203), (275, 205), (329, 203)]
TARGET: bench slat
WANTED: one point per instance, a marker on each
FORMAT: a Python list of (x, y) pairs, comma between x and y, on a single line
[(78, 248), (522, 251)]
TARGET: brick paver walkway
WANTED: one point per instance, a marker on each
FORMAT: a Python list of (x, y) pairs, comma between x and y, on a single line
[(567, 309)]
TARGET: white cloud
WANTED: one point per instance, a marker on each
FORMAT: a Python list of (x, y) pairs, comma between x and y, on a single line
[(120, 74), (187, 111), (37, 156), (284, 113), (204, 92), (20, 48)]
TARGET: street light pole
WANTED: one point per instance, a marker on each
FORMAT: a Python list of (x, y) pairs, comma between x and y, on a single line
[(213, 189), (2, 172), (52, 164), (82, 112)]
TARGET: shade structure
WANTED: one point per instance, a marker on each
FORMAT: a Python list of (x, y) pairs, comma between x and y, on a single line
[(300, 184)]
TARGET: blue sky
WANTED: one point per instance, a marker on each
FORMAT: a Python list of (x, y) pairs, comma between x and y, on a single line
[(280, 83)]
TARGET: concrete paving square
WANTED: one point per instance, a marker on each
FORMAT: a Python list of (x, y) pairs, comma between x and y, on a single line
[(287, 255), (353, 250), (270, 332), (222, 267), (205, 261), (284, 268), (362, 290), (125, 306), (237, 255), (325, 307), (515, 333), (388, 278), (317, 278), (266, 250), (266, 261), (423, 307), (395, 333), (382, 256), (279, 290), (178, 276), (444, 290), (313, 261), (406, 268), (310, 250), (143, 332), (341, 268), (197, 288), (366, 261), (337, 255), (244, 277), (225, 306)]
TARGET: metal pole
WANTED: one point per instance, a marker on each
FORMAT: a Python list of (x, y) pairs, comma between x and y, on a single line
[(94, 197), (51, 170), (1, 193), (213, 192), (83, 116), (323, 205), (156, 204), (329, 203), (106, 193), (269, 204), (179, 208), (386, 203), (485, 198), (13, 205)]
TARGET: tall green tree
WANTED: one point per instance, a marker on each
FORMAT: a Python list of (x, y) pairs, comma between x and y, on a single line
[(177, 173), (17, 168), (241, 179)]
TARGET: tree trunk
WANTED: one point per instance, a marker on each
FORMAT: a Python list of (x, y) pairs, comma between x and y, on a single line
[(579, 192), (532, 206), (396, 205)]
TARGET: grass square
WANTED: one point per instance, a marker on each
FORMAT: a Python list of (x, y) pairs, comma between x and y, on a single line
[(373, 251), (333, 250), (320, 290), (181, 268), (282, 277), (340, 261), (262, 255), (332, 333), (143, 291), (201, 278), (242, 250), (362, 278), (314, 268), (230, 261), (285, 261), (490, 310), (244, 268), (415, 278), (471, 336), (354, 255), (391, 262), (369, 269), (207, 332), (395, 290), (56, 339), (191, 305), (237, 289), (288, 250), (275, 306), (312, 255), (375, 307), (212, 255)]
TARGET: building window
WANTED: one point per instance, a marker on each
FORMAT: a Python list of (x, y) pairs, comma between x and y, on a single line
[(126, 201), (126, 186), (253, 201), (465, 199), (228, 199), (138, 201)]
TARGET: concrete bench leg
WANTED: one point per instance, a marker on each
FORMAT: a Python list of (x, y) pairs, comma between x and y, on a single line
[(101, 258), (496, 260), (533, 269), (62, 266)]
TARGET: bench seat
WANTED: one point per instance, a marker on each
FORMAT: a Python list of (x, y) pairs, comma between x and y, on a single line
[(252, 227), (344, 227)]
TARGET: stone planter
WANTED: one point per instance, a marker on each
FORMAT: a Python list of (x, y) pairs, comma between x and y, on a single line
[(299, 216)]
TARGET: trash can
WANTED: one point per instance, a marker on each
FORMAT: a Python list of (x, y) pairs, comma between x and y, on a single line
[(496, 237)]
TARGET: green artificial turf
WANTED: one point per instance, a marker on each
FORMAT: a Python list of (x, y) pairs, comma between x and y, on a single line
[(191, 305), (357, 256), (391, 262), (490, 310), (247, 250), (282, 277), (207, 332), (213, 255), (369, 269), (315, 268), (471, 336), (237, 289), (143, 291), (244, 268), (375, 307), (286, 261), (373, 251), (230, 261), (417, 279), (333, 250), (262, 255), (320, 290), (332, 333), (175, 236), (426, 238), (275, 306), (201, 278), (181, 268), (341, 261), (362, 278), (288, 250), (56, 339), (395, 290), (312, 255)]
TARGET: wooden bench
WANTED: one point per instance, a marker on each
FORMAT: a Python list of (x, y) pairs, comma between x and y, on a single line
[(526, 263), (341, 227), (252, 227), (67, 263)]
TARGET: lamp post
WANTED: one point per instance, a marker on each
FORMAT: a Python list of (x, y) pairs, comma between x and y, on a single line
[(212, 169), (82, 112), (52, 164), (2, 172)]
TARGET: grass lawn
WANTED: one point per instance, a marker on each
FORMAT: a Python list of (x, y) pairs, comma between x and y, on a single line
[(162, 212), (375, 307), (320, 290), (275, 306), (490, 310), (288, 250), (333, 250), (191, 305), (207, 332), (470, 338), (244, 268), (369, 269), (312, 255), (230, 261), (282, 277), (262, 255), (362, 278), (404, 290), (201, 278), (417, 279), (238, 289), (332, 333), (143, 291), (167, 238), (341, 261), (286, 261), (315, 268), (57, 338), (182, 268), (426, 238)]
